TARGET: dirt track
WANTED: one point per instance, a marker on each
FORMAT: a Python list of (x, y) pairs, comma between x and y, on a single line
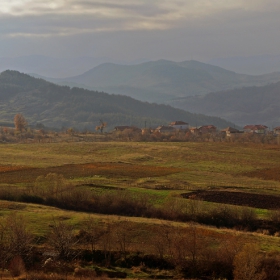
[(237, 198)]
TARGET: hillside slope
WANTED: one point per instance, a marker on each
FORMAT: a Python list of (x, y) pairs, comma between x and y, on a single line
[(249, 105), (61, 106)]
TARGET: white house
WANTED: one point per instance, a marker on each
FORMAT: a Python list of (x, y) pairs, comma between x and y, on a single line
[(179, 125)]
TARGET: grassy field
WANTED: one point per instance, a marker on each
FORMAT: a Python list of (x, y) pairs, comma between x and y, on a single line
[(158, 169), (158, 174), (176, 165), (40, 218)]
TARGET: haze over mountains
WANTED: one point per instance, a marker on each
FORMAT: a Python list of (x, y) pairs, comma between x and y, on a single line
[(163, 81), (60, 106), (61, 67), (253, 65), (57, 67)]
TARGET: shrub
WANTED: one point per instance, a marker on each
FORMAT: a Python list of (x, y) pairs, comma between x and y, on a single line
[(247, 264), (16, 266), (31, 198)]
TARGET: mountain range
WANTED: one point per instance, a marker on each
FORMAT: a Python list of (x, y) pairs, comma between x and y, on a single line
[(60, 67), (190, 85), (56, 67), (163, 81), (61, 106)]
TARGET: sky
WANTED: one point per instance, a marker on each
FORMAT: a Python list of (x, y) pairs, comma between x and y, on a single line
[(133, 30)]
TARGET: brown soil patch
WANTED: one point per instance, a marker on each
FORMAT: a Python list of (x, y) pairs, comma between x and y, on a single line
[(266, 174), (7, 168), (29, 175), (237, 198)]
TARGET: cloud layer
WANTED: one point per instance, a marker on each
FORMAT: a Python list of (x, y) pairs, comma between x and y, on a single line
[(201, 21)]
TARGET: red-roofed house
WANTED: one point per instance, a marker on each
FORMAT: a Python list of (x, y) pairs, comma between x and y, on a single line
[(204, 129), (257, 128)]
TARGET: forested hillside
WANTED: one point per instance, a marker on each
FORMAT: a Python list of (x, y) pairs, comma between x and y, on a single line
[(61, 106), (241, 106)]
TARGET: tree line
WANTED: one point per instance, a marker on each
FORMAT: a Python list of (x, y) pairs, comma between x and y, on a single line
[(186, 251)]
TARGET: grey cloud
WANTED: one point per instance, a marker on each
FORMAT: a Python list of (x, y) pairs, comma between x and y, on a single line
[(95, 16), (140, 8), (136, 7), (75, 23), (178, 29)]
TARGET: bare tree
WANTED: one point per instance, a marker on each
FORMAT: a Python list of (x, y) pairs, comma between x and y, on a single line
[(62, 239), (92, 233), (20, 238), (247, 264), (193, 244), (107, 242), (124, 235), (3, 246), (16, 241), (178, 251), (188, 248), (52, 185), (20, 122), (101, 126), (162, 241)]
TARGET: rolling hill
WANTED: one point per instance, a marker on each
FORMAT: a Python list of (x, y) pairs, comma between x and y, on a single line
[(248, 105), (61, 106), (162, 81)]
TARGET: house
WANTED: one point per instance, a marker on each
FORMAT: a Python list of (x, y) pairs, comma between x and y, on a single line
[(204, 129), (165, 129), (257, 128), (230, 131), (276, 130), (180, 125)]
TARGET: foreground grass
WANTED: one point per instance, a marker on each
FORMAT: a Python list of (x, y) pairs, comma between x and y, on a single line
[(39, 219)]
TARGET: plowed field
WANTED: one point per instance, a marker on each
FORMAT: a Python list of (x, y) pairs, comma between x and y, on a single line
[(266, 174), (20, 174), (237, 198)]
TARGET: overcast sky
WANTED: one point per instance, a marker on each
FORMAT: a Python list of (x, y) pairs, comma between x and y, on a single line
[(134, 29)]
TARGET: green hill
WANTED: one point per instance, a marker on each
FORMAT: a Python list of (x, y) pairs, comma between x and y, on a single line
[(61, 106)]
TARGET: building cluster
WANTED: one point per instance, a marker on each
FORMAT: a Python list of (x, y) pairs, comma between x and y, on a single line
[(204, 129)]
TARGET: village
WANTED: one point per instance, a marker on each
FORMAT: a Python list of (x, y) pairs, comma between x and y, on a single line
[(204, 129), (176, 131)]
